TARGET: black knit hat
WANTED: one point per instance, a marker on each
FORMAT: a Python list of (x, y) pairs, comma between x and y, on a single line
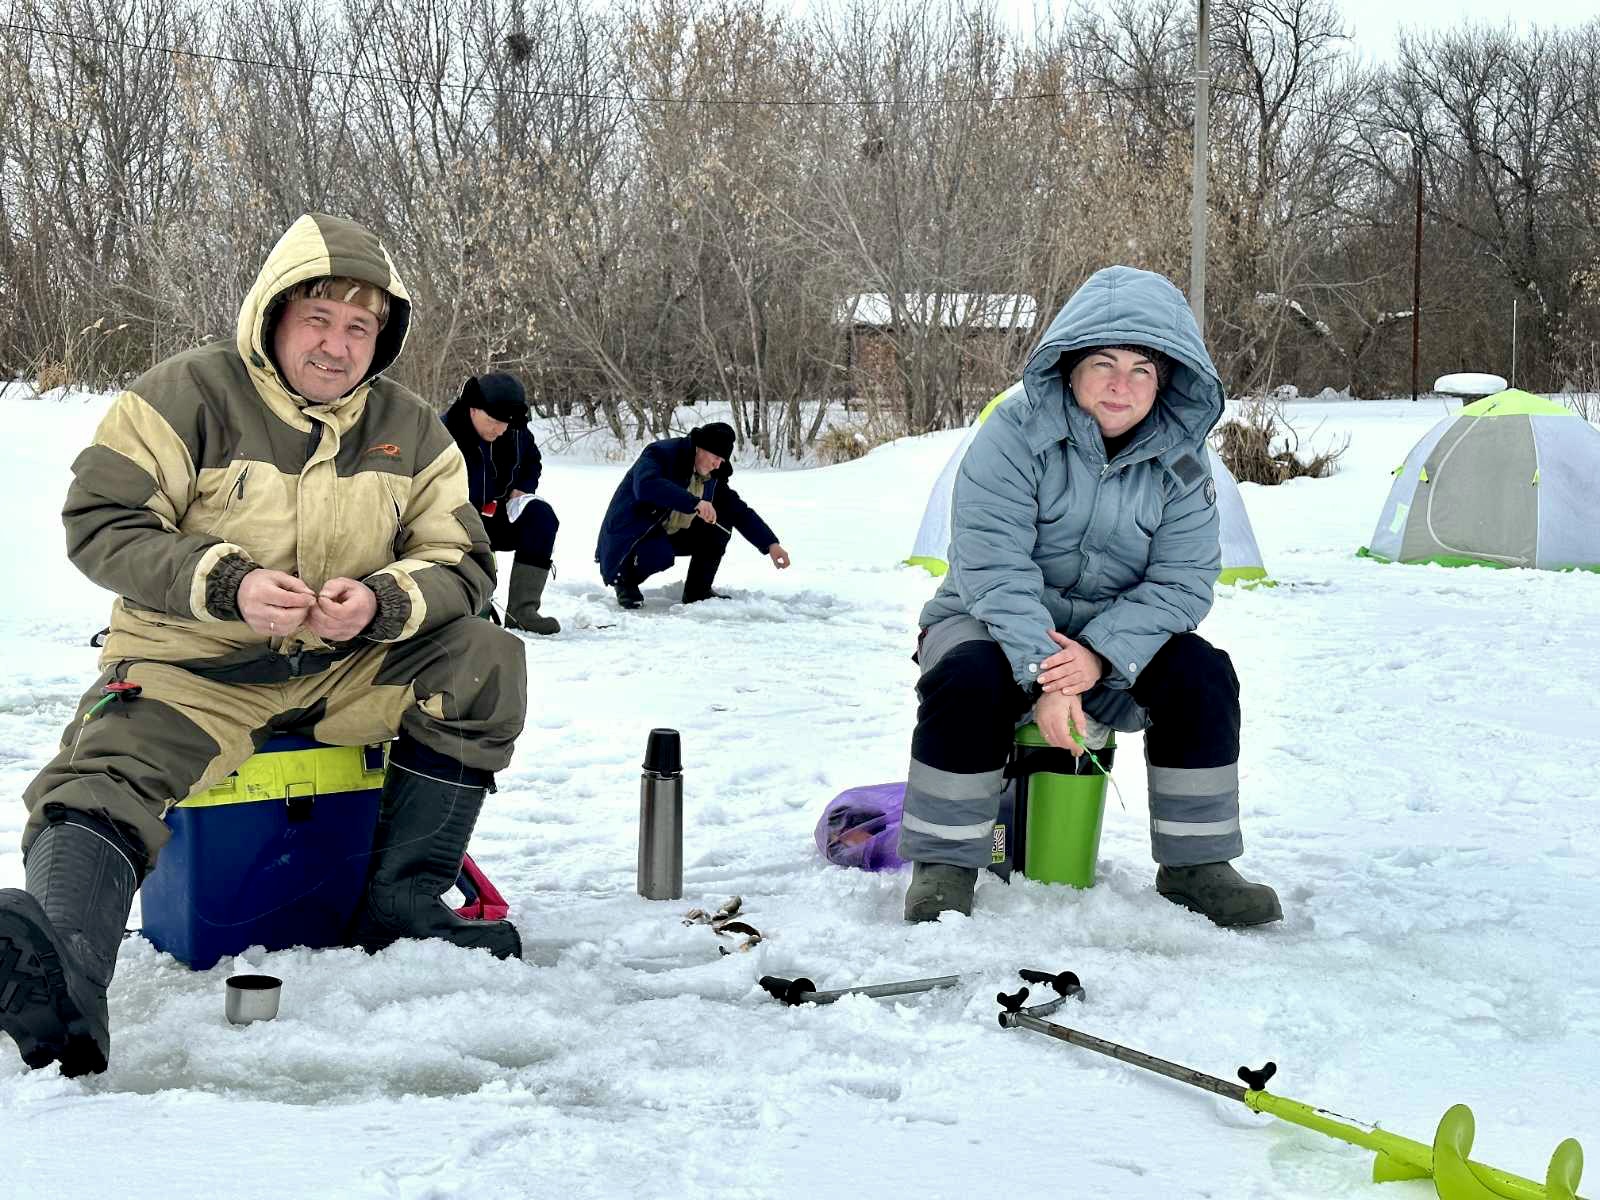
[(717, 438), (1163, 362), (499, 395)]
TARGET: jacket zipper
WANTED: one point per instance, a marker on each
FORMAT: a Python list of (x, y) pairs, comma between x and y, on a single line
[(235, 496)]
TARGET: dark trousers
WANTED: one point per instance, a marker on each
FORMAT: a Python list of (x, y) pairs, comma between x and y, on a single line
[(703, 545), (969, 705), (532, 535)]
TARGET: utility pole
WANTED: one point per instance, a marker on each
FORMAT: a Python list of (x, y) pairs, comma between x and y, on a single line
[(1416, 273), (1197, 201)]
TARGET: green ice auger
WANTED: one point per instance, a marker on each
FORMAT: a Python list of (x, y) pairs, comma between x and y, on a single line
[(1454, 1175)]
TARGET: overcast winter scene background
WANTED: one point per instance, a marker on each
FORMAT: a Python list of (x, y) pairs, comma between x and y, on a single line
[(1418, 782), (841, 226)]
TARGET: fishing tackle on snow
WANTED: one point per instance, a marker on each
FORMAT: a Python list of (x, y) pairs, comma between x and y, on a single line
[(803, 991)]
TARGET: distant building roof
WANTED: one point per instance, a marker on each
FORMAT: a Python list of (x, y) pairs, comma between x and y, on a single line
[(971, 310)]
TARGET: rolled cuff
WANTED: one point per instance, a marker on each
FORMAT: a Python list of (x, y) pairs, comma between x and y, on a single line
[(222, 586), (394, 609)]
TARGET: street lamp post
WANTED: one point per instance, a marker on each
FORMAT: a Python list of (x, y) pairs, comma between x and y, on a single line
[(1416, 260), (1416, 272), (1197, 199)]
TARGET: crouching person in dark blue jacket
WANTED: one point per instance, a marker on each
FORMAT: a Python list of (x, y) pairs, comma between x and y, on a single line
[(490, 425), (675, 501), (1083, 552)]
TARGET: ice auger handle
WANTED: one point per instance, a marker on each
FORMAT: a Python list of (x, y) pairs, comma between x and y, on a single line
[(1256, 1081), (790, 991), (1065, 983)]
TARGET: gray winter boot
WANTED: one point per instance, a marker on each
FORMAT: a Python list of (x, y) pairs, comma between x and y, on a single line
[(59, 940), (1218, 892), (527, 593), (424, 825), (938, 888)]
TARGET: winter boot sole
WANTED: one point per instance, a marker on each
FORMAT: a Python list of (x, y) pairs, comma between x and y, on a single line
[(36, 1006), (1266, 916), (543, 626), (499, 938)]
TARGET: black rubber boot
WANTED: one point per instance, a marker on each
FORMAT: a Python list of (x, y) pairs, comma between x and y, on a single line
[(59, 941), (939, 888), (424, 825), (628, 593), (1218, 892), (527, 593)]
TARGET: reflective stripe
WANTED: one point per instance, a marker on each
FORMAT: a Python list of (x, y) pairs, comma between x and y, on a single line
[(1195, 828), (1195, 781), (954, 833), (948, 785)]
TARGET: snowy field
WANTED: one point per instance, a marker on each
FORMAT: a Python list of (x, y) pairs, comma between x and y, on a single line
[(1420, 767)]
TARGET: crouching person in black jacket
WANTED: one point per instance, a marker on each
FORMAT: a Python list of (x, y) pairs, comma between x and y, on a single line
[(675, 501), (490, 424)]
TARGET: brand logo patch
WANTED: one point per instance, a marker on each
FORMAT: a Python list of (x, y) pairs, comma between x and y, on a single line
[(386, 449), (1211, 491)]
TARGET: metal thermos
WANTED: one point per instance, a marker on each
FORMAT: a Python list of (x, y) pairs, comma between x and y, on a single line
[(661, 818)]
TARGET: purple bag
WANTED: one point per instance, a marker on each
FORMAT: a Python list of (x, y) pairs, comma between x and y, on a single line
[(861, 827)]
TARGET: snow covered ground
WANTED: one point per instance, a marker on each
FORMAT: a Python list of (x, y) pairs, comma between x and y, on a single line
[(1420, 767)]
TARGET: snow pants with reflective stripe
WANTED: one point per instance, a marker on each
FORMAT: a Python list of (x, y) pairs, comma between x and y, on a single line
[(968, 713)]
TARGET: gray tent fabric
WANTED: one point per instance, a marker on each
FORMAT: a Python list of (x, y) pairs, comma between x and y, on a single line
[(1508, 481)]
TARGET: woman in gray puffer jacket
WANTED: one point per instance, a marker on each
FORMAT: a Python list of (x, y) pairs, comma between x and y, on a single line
[(1082, 557)]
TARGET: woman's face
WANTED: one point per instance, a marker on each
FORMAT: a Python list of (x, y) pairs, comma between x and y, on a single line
[(1116, 387)]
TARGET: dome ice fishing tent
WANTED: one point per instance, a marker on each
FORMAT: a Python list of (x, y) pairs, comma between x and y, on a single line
[(1509, 481), (1241, 557)]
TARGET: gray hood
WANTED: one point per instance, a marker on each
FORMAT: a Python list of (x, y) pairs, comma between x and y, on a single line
[(1119, 306)]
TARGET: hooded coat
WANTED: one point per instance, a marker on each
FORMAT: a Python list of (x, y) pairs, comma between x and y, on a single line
[(1047, 534), (511, 462), (658, 484), (209, 466)]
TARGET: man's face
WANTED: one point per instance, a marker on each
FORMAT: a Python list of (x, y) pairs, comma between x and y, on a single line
[(705, 462), (324, 347), (487, 427), (1115, 387)]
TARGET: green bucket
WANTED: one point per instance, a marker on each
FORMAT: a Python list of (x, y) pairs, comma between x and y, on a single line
[(1065, 803)]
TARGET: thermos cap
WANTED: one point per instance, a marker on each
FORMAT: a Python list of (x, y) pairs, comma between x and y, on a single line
[(663, 753)]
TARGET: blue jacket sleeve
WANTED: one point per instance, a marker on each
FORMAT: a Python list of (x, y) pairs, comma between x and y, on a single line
[(994, 529), (1175, 594), (651, 485), (530, 465)]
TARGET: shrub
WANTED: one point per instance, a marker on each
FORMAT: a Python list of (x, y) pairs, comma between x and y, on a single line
[(1260, 446), (52, 375), (844, 443)]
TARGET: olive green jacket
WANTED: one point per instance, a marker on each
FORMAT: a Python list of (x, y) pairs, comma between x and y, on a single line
[(209, 466)]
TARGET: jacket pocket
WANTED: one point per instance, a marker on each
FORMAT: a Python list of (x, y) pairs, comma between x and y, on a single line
[(231, 495)]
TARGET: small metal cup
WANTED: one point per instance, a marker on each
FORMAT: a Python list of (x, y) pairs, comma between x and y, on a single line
[(252, 998)]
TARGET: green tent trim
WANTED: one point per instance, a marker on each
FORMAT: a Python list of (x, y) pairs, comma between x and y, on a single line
[(1243, 576), (1461, 560), (1514, 402), (1246, 577)]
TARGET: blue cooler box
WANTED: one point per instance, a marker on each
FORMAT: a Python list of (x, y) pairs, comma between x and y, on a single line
[(275, 855)]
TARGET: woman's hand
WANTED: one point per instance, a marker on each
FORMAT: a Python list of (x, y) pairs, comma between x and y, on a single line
[(1073, 669), (1059, 716)]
